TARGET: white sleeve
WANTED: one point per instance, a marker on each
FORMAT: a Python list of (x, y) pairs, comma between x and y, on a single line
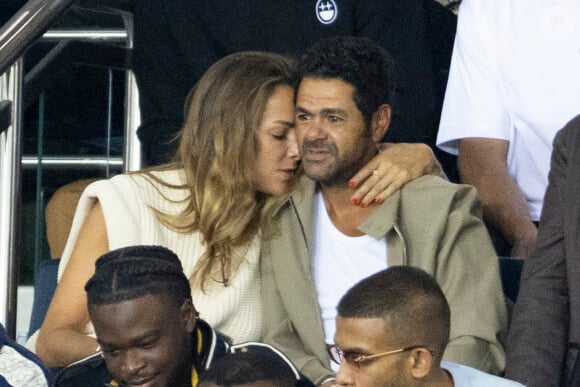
[(475, 103), (121, 208)]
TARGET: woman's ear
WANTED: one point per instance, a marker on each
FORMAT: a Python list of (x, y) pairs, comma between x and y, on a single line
[(380, 122)]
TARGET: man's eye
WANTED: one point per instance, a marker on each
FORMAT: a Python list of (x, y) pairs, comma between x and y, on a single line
[(110, 351), (334, 119), (280, 137), (303, 117), (352, 356), (147, 345)]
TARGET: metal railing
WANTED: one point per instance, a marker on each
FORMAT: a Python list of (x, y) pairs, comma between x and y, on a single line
[(33, 19), (10, 187), (16, 36)]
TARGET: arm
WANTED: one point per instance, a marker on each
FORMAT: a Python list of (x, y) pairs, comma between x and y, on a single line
[(396, 165), (538, 332), (483, 164), (468, 272), (278, 329), (62, 340)]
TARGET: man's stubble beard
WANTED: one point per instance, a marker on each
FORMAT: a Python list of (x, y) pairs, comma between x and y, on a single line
[(334, 171)]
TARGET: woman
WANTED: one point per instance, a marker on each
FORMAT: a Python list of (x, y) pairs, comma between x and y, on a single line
[(237, 159)]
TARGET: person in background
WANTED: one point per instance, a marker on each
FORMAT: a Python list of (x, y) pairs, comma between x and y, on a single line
[(147, 327), (391, 331), (513, 82), (324, 245), (235, 166), (19, 367), (543, 343), (175, 43), (253, 367)]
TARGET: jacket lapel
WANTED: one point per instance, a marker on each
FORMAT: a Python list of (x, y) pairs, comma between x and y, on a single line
[(383, 223), (303, 203)]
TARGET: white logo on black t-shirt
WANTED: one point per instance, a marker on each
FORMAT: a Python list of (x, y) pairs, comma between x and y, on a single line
[(326, 11)]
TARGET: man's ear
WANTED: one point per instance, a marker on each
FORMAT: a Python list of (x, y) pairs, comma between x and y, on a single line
[(420, 362), (380, 122), (188, 314)]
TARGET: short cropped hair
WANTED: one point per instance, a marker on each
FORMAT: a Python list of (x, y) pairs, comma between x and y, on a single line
[(358, 61), (249, 367), (410, 302), (133, 272)]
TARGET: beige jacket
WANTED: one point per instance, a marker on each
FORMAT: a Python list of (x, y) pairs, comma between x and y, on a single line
[(431, 224)]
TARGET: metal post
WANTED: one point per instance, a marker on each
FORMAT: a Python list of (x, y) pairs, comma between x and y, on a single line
[(132, 145), (10, 188)]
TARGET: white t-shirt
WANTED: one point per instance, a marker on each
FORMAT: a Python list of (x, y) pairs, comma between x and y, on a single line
[(339, 262), (464, 376), (515, 75)]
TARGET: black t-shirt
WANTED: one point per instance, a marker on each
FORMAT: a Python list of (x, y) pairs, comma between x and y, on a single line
[(176, 41)]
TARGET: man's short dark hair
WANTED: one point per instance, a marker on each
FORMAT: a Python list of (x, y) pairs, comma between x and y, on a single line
[(133, 272), (410, 302), (358, 61), (244, 367)]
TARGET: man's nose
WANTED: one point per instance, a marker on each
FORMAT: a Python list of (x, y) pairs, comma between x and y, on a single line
[(315, 129), (344, 376), (132, 361)]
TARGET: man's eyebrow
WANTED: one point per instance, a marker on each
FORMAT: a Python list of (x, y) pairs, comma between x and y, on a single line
[(334, 111), (326, 112), (355, 350), (133, 340)]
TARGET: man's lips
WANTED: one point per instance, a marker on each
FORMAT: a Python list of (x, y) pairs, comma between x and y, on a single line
[(145, 381), (315, 153)]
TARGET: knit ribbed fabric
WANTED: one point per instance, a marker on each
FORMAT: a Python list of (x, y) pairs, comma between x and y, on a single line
[(127, 200)]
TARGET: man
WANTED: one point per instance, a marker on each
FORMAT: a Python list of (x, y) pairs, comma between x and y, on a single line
[(391, 330), (175, 43), (148, 330), (543, 344), (253, 368), (19, 366), (321, 245), (513, 82)]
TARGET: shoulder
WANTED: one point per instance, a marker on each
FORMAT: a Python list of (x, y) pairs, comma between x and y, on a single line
[(90, 372), (434, 187), (464, 375), (149, 185), (19, 366), (436, 198), (569, 134)]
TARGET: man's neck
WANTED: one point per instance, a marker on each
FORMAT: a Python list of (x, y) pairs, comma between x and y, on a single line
[(345, 216), (440, 378)]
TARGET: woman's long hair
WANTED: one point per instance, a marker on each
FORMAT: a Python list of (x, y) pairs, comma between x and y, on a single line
[(218, 150)]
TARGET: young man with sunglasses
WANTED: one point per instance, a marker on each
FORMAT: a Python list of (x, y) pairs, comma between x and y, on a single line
[(392, 329)]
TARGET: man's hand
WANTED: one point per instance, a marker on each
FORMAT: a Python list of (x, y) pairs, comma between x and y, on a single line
[(395, 165)]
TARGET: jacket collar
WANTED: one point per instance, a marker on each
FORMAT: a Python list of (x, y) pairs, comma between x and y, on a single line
[(208, 345), (381, 223)]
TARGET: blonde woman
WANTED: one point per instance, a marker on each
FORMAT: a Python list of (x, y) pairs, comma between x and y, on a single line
[(237, 161)]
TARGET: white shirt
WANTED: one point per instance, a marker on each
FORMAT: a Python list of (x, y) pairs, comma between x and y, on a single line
[(464, 376), (515, 75), (339, 262)]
